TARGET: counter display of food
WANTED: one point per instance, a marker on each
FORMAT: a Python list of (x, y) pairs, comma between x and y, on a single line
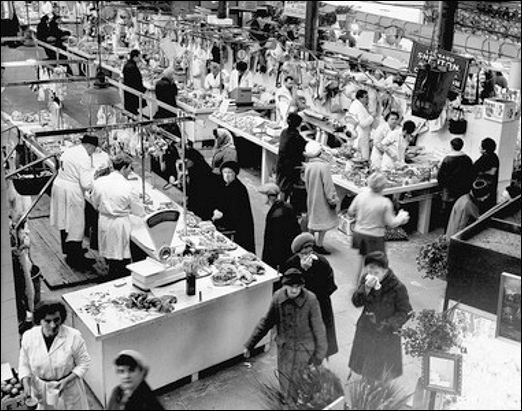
[(182, 334), (349, 176)]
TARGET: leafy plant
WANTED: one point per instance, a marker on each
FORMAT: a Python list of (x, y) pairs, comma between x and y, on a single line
[(369, 394), (315, 388), (432, 258), (431, 331)]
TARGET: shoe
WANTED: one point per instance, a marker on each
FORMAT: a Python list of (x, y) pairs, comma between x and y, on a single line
[(321, 250), (81, 263)]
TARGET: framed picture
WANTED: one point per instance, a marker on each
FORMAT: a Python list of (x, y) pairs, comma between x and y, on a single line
[(442, 372), (508, 311)]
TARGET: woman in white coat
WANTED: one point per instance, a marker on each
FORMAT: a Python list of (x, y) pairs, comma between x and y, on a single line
[(322, 199), (54, 360), (113, 196), (391, 122), (75, 177), (359, 111)]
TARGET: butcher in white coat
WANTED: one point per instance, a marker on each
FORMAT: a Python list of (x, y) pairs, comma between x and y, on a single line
[(75, 177), (53, 361), (359, 111), (113, 196)]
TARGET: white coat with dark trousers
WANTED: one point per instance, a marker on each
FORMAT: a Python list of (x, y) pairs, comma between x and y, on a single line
[(322, 197), (75, 176), (68, 354), (364, 127), (113, 196)]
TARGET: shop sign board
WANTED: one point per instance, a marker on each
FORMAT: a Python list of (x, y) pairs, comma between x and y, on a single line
[(441, 60), (500, 110), (295, 9)]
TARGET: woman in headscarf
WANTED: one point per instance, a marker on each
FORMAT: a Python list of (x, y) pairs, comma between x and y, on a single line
[(133, 392), (319, 279), (224, 149), (234, 212), (202, 185)]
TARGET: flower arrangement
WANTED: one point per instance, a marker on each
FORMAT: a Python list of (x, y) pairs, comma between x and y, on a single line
[(432, 258), (431, 331), (369, 394)]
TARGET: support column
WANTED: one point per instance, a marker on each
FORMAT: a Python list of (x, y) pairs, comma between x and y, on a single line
[(447, 10), (312, 11), (222, 10)]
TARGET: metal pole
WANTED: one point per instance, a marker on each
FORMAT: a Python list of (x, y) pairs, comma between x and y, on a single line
[(446, 26), (183, 171), (142, 163), (312, 10)]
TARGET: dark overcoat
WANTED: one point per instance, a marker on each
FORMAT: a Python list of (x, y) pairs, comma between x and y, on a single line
[(319, 279), (132, 78), (280, 230), (141, 399), (301, 336), (290, 156), (237, 214), (376, 346)]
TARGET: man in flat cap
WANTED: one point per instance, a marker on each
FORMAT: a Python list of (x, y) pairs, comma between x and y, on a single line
[(75, 178), (301, 336), (280, 229)]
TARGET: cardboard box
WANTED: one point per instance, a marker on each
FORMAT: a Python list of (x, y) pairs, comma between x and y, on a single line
[(242, 95), (499, 110)]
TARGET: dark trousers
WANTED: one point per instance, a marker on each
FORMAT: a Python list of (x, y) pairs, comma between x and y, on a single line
[(91, 225), (446, 207), (117, 268), (73, 249)]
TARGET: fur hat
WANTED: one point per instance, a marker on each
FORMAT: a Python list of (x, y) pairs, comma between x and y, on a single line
[(301, 240), (233, 165), (292, 276), (377, 258)]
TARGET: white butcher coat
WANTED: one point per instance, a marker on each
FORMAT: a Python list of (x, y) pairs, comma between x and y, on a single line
[(364, 126), (68, 354), (246, 81), (112, 196), (75, 176), (380, 134), (395, 144)]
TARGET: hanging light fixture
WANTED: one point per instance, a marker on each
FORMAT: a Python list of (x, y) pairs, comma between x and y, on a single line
[(101, 94)]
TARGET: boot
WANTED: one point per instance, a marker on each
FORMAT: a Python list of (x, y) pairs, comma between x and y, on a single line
[(75, 256)]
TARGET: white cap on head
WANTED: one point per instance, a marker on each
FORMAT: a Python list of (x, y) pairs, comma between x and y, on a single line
[(313, 149), (47, 8)]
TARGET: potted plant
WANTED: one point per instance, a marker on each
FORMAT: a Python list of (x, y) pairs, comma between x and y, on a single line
[(369, 394), (432, 258), (316, 388), (430, 331)]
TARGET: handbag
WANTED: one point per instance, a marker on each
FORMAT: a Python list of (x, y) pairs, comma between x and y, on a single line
[(458, 125)]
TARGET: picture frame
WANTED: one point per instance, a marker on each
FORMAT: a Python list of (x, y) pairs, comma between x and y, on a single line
[(508, 310), (442, 372)]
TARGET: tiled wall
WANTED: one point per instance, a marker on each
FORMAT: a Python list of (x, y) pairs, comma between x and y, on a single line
[(9, 321)]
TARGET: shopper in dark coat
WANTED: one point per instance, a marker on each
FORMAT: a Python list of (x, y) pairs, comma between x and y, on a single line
[(376, 350), (203, 185), (301, 338), (319, 279), (132, 78), (234, 211), (281, 227), (290, 156), (455, 177), (487, 167), (166, 91), (133, 392)]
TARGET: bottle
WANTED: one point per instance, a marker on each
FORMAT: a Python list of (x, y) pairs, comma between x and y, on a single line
[(191, 284)]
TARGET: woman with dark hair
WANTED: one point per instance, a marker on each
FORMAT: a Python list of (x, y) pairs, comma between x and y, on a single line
[(376, 349), (133, 392), (53, 360), (202, 185), (486, 168)]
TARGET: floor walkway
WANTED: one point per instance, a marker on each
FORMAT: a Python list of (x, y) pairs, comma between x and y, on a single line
[(236, 386)]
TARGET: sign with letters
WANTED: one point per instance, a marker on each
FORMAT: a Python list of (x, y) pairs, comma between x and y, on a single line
[(442, 60)]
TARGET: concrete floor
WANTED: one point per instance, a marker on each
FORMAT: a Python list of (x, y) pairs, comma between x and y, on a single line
[(235, 385)]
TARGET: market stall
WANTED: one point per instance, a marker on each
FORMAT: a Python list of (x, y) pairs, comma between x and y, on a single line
[(203, 330)]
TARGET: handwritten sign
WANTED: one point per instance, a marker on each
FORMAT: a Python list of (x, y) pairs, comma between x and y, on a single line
[(442, 60), (295, 9)]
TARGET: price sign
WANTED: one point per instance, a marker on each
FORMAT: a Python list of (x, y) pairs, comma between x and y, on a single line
[(442, 60)]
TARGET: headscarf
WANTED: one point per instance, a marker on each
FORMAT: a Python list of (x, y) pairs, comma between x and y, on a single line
[(223, 139)]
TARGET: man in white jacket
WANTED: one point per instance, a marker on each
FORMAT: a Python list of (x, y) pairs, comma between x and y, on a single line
[(359, 111), (75, 177), (113, 196)]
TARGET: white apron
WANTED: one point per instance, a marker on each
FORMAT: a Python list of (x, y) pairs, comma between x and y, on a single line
[(68, 354), (364, 125), (113, 196), (75, 176)]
